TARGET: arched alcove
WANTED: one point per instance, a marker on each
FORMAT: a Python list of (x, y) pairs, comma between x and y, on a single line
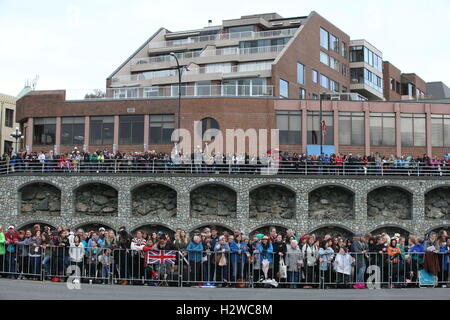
[(154, 200), (272, 202), (96, 199), (213, 200), (331, 202), (389, 202), (40, 198)]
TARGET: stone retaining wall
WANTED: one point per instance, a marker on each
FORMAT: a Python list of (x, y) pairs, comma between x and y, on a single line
[(115, 192)]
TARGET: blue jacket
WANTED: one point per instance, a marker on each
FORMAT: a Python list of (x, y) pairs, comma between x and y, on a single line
[(235, 256), (265, 254), (444, 249), (99, 243), (195, 251), (417, 252)]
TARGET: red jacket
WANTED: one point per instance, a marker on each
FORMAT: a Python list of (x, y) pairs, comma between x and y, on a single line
[(11, 238)]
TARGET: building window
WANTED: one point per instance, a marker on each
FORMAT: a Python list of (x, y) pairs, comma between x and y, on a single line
[(203, 89), (125, 93), (344, 49), (44, 131), (392, 84), (217, 68), (300, 73), (9, 118), (302, 94), (351, 129), (324, 81), (101, 131), (174, 90), (324, 38), (315, 96), (334, 64), (161, 128), (334, 86), (441, 130), (314, 76), (334, 43), (289, 124), (240, 29), (72, 131), (207, 124), (344, 69), (254, 66), (245, 87), (356, 54), (284, 89), (131, 130), (413, 127), (324, 58), (382, 129), (314, 127)]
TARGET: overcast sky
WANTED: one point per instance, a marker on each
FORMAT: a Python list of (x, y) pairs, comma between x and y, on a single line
[(76, 44)]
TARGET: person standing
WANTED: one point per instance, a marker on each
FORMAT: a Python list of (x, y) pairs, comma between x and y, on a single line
[(359, 249), (195, 251)]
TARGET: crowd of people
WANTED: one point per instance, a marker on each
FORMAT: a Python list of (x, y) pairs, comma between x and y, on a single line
[(203, 162), (208, 257)]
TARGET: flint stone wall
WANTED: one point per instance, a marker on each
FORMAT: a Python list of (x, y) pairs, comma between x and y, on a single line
[(331, 202), (40, 199), (242, 186), (437, 204), (391, 203)]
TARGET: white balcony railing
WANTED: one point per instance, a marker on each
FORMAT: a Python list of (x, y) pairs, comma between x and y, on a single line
[(209, 53), (160, 92), (224, 36)]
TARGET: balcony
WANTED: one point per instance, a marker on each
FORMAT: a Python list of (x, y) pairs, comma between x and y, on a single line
[(164, 92), (222, 37), (226, 38), (207, 56)]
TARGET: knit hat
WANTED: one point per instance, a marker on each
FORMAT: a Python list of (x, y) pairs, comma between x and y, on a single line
[(260, 236)]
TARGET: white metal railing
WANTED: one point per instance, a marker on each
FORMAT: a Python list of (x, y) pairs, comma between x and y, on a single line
[(224, 36), (171, 91), (209, 53)]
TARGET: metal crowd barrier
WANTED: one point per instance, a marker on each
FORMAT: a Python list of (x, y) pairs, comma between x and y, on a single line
[(265, 166), (217, 268)]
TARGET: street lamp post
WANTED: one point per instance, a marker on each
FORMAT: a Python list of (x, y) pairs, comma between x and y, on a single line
[(16, 135), (179, 95)]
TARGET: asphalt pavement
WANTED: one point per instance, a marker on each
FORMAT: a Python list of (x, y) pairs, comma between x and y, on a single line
[(32, 290)]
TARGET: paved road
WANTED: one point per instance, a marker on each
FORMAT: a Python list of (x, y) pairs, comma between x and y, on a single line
[(15, 289)]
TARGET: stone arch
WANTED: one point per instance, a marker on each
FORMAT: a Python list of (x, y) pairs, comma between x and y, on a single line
[(437, 203), (219, 226), (212, 200), (153, 227), (40, 198), (94, 225), (332, 229), (438, 228), (331, 201), (272, 201), (265, 229), (29, 225), (219, 183), (390, 202), (279, 184), (96, 199), (391, 229), (154, 199)]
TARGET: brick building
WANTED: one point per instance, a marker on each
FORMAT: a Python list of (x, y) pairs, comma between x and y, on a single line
[(260, 71)]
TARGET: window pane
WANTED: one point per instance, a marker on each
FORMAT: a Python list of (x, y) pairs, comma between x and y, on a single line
[(284, 88), (324, 38), (437, 132), (376, 137), (300, 73), (345, 130), (407, 131), (420, 139)]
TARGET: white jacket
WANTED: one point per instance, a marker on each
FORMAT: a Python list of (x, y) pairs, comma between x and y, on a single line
[(76, 254), (343, 263)]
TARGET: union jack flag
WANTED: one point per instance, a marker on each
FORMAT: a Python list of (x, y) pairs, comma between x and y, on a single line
[(161, 257)]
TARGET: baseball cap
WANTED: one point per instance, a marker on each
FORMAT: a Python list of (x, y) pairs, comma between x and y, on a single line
[(10, 227), (101, 229)]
